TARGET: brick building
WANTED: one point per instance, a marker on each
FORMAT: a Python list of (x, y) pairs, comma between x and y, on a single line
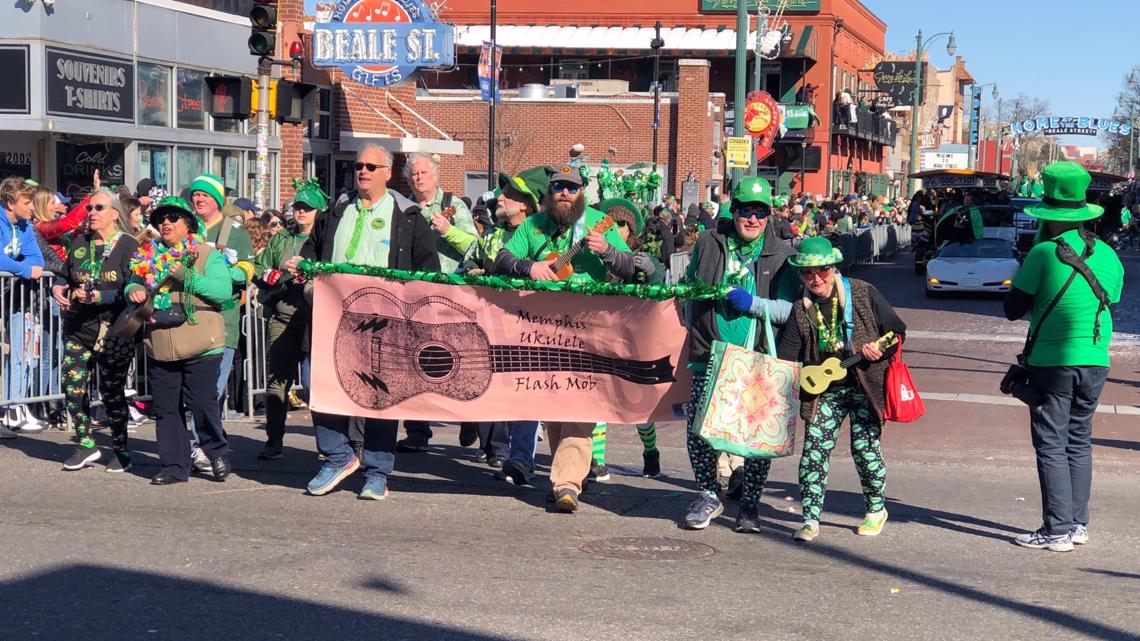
[(603, 51)]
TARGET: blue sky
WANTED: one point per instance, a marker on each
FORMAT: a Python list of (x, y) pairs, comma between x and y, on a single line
[(1073, 52)]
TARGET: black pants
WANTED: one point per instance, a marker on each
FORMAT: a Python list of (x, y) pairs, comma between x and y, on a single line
[(1062, 438), (194, 383), (285, 339), (495, 439)]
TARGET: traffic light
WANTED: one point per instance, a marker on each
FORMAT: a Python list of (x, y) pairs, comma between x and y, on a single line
[(295, 102), (263, 34), (255, 99), (230, 96)]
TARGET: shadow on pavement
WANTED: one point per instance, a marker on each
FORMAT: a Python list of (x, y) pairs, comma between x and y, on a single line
[(1112, 573), (1117, 443), (127, 604)]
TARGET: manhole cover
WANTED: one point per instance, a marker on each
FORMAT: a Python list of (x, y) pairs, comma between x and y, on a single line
[(647, 548)]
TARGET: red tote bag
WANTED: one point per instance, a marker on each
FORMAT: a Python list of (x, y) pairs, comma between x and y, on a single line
[(903, 402)]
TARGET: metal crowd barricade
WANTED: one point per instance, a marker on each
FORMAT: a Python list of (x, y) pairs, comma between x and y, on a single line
[(31, 340)]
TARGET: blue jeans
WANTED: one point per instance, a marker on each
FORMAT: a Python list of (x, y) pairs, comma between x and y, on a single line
[(379, 443), (306, 374), (24, 340), (227, 365), (524, 440), (1062, 437)]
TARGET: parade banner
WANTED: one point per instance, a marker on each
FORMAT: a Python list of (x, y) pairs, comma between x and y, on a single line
[(488, 85), (419, 350)]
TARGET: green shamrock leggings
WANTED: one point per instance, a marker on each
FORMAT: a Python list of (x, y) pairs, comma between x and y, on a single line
[(78, 363), (819, 441)]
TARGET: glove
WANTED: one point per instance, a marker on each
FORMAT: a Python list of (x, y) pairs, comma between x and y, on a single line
[(273, 276), (644, 264), (740, 300)]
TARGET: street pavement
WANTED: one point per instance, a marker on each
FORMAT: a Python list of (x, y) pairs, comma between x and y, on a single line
[(455, 554)]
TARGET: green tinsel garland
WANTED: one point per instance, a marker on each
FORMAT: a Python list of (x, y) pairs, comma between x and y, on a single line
[(694, 291)]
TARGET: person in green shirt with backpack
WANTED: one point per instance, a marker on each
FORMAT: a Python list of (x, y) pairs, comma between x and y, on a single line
[(1068, 283)]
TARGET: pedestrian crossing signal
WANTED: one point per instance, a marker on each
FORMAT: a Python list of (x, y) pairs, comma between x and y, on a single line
[(230, 97)]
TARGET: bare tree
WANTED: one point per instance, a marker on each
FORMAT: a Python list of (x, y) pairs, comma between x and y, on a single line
[(1121, 152), (1028, 148)]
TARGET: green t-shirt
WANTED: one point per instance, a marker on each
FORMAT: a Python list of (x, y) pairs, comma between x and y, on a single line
[(375, 233), (239, 247), (1067, 336), (532, 241)]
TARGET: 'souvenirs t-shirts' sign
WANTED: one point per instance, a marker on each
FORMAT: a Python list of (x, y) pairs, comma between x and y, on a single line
[(80, 84)]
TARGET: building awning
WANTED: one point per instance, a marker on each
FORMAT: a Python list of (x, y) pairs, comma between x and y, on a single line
[(355, 141), (559, 40)]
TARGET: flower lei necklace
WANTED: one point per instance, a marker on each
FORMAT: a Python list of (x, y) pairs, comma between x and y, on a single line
[(153, 260)]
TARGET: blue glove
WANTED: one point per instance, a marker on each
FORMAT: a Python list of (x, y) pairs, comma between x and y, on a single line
[(740, 300)]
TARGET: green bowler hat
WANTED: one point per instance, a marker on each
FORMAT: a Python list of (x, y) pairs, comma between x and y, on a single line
[(178, 205), (1063, 200), (816, 251)]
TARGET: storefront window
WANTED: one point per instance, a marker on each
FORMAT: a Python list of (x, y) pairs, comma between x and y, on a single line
[(191, 164), (227, 164), (154, 163), (191, 99), (154, 95)]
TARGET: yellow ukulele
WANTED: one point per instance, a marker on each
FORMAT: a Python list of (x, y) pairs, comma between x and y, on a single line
[(815, 379)]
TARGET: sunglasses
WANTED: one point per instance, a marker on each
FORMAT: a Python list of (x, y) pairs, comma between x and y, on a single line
[(168, 217), (91, 208), (621, 223), (815, 272), (274, 225), (367, 165), (759, 213), (558, 187)]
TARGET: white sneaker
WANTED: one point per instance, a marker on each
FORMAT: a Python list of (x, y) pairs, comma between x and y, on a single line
[(1039, 540), (201, 463), (1079, 534), (27, 422)]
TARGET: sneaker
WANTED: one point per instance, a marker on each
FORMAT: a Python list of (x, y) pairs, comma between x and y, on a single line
[(25, 421), (295, 401), (495, 462), (1039, 540), (81, 457), (748, 520), (1079, 534), (735, 484), (331, 476), (566, 500), (598, 472), (410, 445), (120, 463), (652, 467), (374, 490), (706, 508), (271, 452), (873, 523), (513, 472), (468, 434), (806, 533), (201, 463)]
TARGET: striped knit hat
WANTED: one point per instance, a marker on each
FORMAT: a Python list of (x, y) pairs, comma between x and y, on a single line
[(210, 185)]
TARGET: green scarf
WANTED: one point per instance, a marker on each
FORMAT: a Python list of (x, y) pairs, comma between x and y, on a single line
[(733, 325)]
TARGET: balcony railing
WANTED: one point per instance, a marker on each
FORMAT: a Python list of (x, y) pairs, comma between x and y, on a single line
[(868, 125)]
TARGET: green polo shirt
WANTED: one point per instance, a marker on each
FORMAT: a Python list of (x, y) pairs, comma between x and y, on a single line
[(1067, 336), (375, 233), (533, 241)]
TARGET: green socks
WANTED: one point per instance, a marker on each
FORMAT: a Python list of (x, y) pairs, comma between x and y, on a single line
[(648, 434), (600, 443)]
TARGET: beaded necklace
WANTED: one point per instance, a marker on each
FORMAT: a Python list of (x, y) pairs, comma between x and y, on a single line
[(829, 336), (94, 265)]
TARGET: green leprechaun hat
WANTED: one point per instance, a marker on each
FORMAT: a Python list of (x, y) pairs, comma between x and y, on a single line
[(816, 251), (639, 217), (1065, 185), (309, 193), (527, 185)]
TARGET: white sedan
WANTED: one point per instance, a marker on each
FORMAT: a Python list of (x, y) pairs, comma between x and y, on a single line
[(987, 265)]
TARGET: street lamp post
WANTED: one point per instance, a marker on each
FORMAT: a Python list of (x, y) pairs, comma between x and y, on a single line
[(656, 44), (951, 47), (741, 75)]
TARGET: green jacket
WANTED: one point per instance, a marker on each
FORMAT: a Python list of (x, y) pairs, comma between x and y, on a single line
[(482, 253), (282, 299), (238, 247)]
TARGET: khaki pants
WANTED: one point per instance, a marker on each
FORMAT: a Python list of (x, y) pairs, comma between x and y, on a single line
[(571, 445), (726, 463)]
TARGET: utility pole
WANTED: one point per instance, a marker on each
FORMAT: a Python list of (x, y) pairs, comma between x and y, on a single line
[(914, 113), (656, 44), (261, 179), (741, 75), (491, 178), (757, 76)]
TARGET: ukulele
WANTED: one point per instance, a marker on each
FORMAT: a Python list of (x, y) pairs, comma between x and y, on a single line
[(562, 268), (383, 357), (815, 379), (132, 318)]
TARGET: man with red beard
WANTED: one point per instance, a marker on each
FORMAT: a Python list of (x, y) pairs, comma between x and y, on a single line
[(564, 220)]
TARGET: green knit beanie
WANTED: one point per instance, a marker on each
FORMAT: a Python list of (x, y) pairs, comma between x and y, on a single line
[(210, 185)]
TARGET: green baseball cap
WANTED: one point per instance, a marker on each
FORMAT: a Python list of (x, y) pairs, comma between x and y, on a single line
[(752, 190)]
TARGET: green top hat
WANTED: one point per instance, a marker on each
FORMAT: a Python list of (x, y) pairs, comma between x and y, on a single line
[(638, 216), (816, 251), (179, 205), (752, 190), (527, 185), (1065, 185)]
